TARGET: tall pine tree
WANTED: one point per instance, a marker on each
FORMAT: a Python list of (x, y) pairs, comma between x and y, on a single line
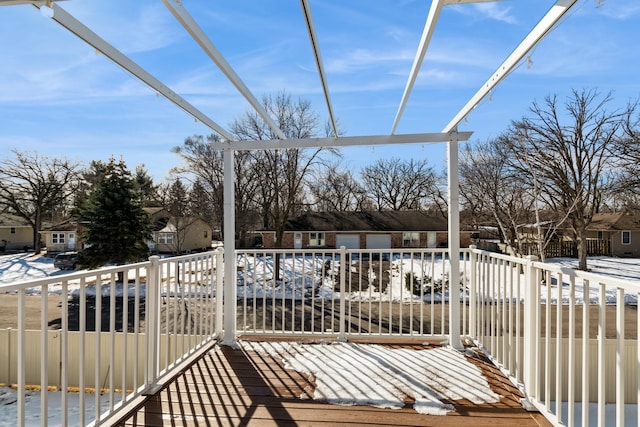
[(117, 228)]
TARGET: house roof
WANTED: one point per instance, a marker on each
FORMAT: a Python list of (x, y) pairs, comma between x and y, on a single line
[(185, 222), (368, 221), (67, 225), (9, 220), (615, 221)]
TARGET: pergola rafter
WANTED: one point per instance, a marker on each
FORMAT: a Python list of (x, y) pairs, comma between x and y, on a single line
[(544, 26), (450, 133), (83, 32), (181, 14)]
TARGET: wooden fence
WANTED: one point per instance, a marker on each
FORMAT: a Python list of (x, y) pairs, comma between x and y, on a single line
[(568, 249)]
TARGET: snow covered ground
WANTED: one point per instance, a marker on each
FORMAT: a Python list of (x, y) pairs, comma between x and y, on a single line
[(374, 375), (301, 275), (9, 408)]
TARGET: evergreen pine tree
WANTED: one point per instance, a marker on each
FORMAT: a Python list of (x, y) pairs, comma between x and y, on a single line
[(117, 228), (178, 199)]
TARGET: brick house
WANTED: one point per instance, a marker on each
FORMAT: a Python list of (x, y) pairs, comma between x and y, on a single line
[(362, 230)]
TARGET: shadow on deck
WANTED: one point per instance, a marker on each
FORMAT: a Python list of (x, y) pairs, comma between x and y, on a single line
[(237, 387)]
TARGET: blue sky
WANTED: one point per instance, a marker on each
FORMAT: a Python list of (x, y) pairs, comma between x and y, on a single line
[(59, 98)]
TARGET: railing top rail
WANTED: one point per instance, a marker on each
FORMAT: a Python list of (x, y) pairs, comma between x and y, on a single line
[(68, 277), (504, 257), (600, 278), (351, 251), (78, 275), (178, 258)]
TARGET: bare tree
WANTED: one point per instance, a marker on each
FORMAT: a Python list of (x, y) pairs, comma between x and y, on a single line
[(569, 159), (337, 190), (34, 186), (627, 151), (203, 164), (281, 173), (492, 191), (398, 185)]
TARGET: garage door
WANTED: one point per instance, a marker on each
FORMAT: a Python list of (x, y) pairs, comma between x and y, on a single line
[(378, 241), (349, 241)]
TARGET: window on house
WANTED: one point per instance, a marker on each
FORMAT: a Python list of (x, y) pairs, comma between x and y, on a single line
[(13, 230), (206, 234), (316, 239), (165, 238), (57, 238), (410, 239), (600, 235), (626, 237)]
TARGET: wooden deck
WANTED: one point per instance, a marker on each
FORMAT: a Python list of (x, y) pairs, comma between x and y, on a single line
[(239, 388)]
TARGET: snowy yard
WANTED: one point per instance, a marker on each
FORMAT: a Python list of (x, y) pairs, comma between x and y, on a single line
[(305, 277)]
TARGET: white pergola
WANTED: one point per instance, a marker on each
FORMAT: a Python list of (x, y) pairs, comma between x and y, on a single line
[(449, 134)]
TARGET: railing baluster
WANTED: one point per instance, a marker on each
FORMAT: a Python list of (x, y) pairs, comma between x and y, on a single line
[(602, 359), (620, 358), (571, 378), (343, 294), (559, 365), (64, 353), (585, 350), (44, 341)]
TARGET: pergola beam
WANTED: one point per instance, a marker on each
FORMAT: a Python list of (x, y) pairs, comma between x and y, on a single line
[(535, 35), (181, 14), (427, 33), (276, 144), (16, 2), (83, 32), (306, 10)]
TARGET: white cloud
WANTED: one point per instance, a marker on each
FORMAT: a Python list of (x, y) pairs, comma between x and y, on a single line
[(364, 58), (496, 12), (619, 10), (493, 11)]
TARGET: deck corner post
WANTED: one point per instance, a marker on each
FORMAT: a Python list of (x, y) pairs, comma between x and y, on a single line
[(152, 321), (454, 244), (530, 329), (229, 231), (343, 294), (219, 290)]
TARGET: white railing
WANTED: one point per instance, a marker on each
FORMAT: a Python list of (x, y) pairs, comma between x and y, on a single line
[(344, 294), (120, 330), (567, 337)]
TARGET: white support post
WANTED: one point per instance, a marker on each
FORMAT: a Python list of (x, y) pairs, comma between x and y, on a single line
[(219, 290), (454, 245), (343, 293), (229, 230), (152, 322), (530, 330)]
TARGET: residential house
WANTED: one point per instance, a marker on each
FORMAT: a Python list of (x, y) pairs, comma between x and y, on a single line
[(178, 234), (620, 229), (363, 230), (15, 233), (62, 237), (170, 234)]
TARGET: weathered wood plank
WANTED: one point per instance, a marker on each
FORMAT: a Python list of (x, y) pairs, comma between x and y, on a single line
[(237, 387)]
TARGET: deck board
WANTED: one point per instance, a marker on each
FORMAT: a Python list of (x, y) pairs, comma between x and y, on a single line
[(236, 387)]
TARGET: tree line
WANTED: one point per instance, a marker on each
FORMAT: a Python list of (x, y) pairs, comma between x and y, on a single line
[(562, 162), (555, 169)]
